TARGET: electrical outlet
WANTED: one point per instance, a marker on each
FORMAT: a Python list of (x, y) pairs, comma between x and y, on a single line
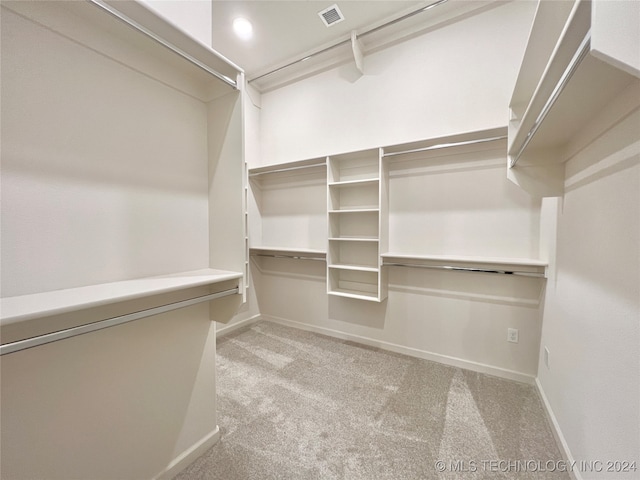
[(512, 335), (546, 356)]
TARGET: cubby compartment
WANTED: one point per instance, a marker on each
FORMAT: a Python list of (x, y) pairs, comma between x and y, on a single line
[(361, 195), (353, 284), (354, 253), (354, 225), (354, 166)]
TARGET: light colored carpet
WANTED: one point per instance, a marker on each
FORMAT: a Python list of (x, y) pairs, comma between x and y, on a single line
[(299, 405)]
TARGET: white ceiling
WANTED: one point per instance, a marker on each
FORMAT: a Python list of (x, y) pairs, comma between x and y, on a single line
[(287, 31)]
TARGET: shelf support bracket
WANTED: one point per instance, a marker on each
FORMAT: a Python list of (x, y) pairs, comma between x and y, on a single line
[(358, 55)]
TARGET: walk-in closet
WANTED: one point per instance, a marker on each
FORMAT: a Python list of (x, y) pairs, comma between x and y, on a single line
[(349, 240)]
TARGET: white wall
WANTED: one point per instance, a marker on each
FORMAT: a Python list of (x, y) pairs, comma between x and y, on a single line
[(455, 79), (104, 171), (591, 318), (457, 202), (125, 402)]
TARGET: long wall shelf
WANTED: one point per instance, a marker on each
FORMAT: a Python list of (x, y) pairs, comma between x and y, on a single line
[(43, 314)]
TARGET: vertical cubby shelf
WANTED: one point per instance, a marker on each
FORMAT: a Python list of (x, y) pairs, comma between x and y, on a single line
[(355, 197)]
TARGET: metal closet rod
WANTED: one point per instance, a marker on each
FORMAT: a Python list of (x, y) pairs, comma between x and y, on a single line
[(446, 145), (295, 257), (288, 169), (577, 59), (348, 41), (109, 322), (135, 25), (467, 269)]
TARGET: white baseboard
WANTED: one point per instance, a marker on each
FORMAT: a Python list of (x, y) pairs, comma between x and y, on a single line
[(413, 352), (230, 327), (557, 432), (187, 457)]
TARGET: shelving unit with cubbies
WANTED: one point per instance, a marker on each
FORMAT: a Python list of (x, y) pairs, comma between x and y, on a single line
[(356, 234)]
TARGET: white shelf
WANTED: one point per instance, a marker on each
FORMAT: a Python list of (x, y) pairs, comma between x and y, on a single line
[(505, 265), (444, 146), (356, 210), (302, 166), (356, 268), (288, 251), (139, 38), (355, 183), (573, 89), (354, 239), (356, 294), (355, 186), (469, 259), (28, 307)]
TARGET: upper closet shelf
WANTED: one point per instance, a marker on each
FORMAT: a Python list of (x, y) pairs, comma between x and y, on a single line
[(441, 145), (302, 166), (563, 84), (133, 35)]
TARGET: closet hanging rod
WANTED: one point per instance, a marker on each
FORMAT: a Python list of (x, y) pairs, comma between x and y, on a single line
[(467, 269), (445, 145), (577, 59), (348, 41), (135, 25), (295, 257), (109, 322), (287, 169)]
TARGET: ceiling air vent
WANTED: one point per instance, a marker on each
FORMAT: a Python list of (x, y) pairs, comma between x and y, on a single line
[(331, 15)]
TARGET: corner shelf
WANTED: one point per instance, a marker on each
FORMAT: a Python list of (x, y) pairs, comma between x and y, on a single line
[(572, 89)]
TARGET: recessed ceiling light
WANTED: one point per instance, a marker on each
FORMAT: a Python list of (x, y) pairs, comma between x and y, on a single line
[(243, 28)]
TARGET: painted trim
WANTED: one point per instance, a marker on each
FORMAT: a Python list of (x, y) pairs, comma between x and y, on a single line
[(412, 352), (187, 457), (563, 446), (228, 328)]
